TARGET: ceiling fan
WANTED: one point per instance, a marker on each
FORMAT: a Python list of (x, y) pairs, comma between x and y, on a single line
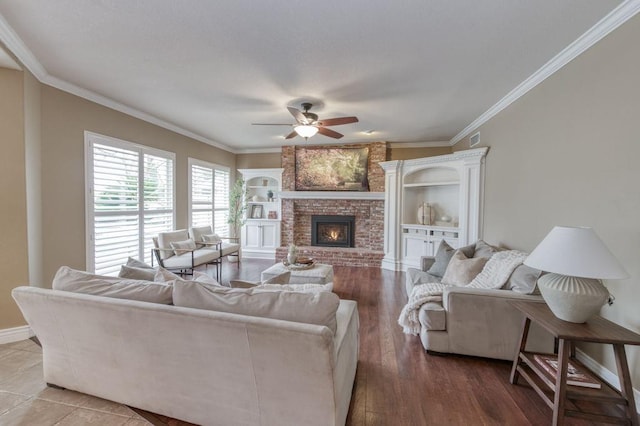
[(307, 123)]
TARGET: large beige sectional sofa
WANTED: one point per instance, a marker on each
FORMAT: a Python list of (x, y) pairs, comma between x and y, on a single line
[(477, 321), (198, 364)]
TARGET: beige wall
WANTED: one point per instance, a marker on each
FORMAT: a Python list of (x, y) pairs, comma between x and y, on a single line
[(411, 153), (13, 203), (65, 117), (269, 160), (567, 154)]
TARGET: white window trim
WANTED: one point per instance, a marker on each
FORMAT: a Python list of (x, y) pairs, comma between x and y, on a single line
[(90, 138), (201, 163)]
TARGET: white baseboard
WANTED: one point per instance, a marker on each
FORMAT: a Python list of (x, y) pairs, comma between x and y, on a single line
[(15, 334), (606, 374)]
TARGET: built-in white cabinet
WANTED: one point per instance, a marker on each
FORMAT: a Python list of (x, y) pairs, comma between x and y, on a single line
[(261, 231), (430, 200)]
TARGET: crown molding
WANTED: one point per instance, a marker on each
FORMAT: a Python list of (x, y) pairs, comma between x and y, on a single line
[(258, 151), (13, 42), (618, 16), (435, 144)]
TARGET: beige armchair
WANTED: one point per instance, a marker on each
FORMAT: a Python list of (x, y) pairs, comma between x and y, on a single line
[(229, 246)]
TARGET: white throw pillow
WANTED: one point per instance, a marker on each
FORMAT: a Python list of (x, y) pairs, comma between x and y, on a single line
[(68, 279), (166, 238), (168, 277), (311, 308), (181, 247), (211, 238)]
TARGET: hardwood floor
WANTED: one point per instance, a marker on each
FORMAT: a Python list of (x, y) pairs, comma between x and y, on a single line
[(397, 382)]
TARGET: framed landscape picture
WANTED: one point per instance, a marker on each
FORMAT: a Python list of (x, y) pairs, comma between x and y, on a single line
[(332, 169)]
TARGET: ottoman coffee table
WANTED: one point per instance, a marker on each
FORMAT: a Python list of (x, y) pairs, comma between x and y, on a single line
[(319, 274)]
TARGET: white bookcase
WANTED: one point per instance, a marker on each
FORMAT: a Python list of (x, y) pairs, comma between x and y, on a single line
[(450, 186), (261, 231)]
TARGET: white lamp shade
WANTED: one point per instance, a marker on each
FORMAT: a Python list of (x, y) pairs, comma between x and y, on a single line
[(306, 131), (576, 252)]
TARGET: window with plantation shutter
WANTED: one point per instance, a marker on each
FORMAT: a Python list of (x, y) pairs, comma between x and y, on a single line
[(209, 195), (130, 199)]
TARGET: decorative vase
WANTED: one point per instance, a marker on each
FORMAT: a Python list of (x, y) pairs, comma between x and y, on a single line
[(573, 299), (269, 195), (292, 255)]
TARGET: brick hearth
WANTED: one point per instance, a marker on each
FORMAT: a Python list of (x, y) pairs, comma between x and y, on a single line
[(369, 232)]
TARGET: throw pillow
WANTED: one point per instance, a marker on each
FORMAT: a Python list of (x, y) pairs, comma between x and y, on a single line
[(443, 256), (181, 247), (68, 279), (166, 238), (164, 276), (211, 238), (483, 249), (137, 273), (523, 280), (305, 288), (310, 308), (135, 263), (462, 270)]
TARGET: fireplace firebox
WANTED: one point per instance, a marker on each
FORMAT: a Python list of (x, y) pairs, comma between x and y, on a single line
[(333, 231)]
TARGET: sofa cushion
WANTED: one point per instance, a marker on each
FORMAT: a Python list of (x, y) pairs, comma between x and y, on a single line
[(198, 232), (169, 278), (311, 308), (200, 257), (305, 288), (228, 248), (67, 279), (282, 278), (166, 238), (443, 256), (136, 273), (462, 270), (523, 280)]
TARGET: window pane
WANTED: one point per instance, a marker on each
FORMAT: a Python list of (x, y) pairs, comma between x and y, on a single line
[(154, 223), (115, 179), (202, 218), (158, 183), (221, 226), (115, 239)]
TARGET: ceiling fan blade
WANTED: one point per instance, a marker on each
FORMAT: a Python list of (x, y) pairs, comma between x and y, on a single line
[(298, 115), (270, 124), (291, 135), (338, 121), (329, 132)]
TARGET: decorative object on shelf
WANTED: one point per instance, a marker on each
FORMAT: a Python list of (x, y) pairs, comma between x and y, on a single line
[(255, 198), (292, 255), (577, 260), (425, 214), (256, 211), (273, 214), (265, 182), (269, 195)]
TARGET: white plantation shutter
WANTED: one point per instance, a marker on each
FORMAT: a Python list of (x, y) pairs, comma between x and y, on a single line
[(209, 195), (131, 200)]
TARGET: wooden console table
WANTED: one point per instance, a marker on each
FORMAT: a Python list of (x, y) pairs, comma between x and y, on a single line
[(554, 390)]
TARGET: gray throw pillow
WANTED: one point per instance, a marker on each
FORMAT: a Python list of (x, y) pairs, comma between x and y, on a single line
[(137, 273), (484, 250), (523, 280), (135, 263), (443, 257)]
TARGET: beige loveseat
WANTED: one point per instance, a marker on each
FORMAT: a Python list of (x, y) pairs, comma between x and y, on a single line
[(474, 321), (202, 366)]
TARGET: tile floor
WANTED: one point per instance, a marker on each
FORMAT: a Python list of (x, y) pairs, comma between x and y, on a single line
[(25, 399)]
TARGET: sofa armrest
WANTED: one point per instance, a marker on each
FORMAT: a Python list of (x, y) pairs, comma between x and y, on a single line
[(453, 294), (427, 262)]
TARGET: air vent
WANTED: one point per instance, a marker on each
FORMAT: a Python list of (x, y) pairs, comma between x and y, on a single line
[(474, 139)]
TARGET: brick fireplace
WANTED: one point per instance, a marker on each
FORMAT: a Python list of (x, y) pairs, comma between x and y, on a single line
[(367, 208)]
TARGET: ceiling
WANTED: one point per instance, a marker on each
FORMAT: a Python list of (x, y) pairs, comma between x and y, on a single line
[(412, 71)]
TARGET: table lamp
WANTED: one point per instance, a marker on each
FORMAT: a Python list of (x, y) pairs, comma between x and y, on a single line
[(577, 260)]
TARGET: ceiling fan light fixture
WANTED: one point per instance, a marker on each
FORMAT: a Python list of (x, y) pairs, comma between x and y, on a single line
[(306, 131)]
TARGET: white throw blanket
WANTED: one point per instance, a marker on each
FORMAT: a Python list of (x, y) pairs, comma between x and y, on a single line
[(494, 274)]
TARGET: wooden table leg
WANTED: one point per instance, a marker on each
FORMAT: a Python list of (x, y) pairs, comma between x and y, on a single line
[(560, 399), (625, 382), (523, 343)]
